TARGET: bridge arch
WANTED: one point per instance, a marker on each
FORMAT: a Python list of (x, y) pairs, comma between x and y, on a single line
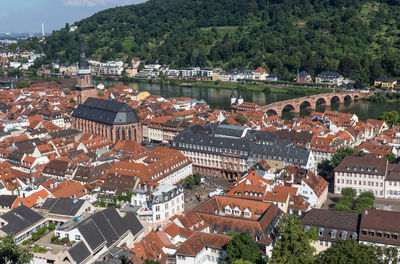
[(320, 101), (288, 108), (305, 104), (271, 112), (347, 98), (335, 99), (356, 97)]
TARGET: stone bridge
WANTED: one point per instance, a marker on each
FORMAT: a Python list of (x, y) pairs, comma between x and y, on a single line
[(294, 105)]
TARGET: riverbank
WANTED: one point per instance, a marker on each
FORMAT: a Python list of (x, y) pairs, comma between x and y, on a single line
[(243, 86)]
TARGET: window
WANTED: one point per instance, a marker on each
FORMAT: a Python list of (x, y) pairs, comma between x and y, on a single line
[(57, 234), (157, 208), (320, 231), (157, 217), (77, 237)]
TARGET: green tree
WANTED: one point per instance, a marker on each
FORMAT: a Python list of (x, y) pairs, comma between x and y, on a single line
[(325, 169), (345, 204), (348, 251), (350, 192), (12, 253), (197, 178), (391, 157), (391, 118), (243, 247), (340, 155), (294, 243)]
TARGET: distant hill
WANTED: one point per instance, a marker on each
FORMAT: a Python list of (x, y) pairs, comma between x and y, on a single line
[(359, 38)]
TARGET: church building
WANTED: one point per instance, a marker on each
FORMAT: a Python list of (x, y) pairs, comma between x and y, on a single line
[(85, 87), (111, 119)]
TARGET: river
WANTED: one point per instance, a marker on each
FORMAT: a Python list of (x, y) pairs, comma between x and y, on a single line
[(220, 99)]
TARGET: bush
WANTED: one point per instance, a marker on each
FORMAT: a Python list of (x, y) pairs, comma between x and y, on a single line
[(52, 226), (26, 242), (54, 239), (39, 249), (35, 236), (42, 230), (65, 240)]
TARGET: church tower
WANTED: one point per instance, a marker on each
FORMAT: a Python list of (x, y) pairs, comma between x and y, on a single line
[(85, 87)]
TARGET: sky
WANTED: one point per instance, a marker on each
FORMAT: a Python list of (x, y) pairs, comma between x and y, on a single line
[(27, 16)]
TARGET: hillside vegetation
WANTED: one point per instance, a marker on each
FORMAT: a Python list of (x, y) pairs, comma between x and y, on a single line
[(358, 38)]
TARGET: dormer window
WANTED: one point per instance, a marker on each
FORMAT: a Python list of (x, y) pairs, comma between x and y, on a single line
[(343, 235), (333, 233), (395, 236), (228, 211), (371, 232), (320, 231), (247, 214), (236, 212)]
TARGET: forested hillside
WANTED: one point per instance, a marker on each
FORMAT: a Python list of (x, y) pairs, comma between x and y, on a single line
[(359, 38)]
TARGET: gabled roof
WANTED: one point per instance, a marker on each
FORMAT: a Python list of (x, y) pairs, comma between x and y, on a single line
[(7, 200), (198, 240), (79, 252), (106, 112), (19, 219), (63, 206)]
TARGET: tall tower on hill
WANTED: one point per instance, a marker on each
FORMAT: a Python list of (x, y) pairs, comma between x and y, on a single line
[(85, 87)]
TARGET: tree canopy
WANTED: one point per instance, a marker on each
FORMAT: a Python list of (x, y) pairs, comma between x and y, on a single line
[(243, 248), (358, 38), (391, 118), (10, 252), (347, 202), (348, 251), (294, 243)]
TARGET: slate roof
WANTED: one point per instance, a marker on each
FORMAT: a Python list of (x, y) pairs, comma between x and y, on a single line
[(255, 145), (63, 206), (7, 200), (384, 79), (79, 252), (107, 226), (329, 74), (106, 112), (92, 234), (231, 131), (19, 218)]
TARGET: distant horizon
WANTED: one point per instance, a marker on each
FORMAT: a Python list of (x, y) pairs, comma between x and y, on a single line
[(27, 16)]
